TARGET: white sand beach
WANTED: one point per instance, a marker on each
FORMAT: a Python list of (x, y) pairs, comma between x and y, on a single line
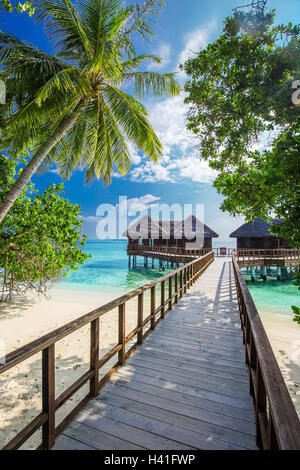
[(284, 336)]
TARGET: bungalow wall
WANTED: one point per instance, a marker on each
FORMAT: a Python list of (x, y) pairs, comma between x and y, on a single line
[(264, 243), (172, 242)]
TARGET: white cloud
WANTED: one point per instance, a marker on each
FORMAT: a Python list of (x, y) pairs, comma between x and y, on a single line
[(194, 42), (151, 173), (164, 52), (195, 169), (135, 159), (168, 120)]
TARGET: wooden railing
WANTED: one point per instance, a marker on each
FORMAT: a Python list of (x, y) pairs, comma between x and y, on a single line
[(167, 250), (277, 423), (285, 254), (175, 283)]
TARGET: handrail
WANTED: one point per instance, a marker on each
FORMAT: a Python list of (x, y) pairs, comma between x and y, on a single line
[(243, 253), (167, 250), (277, 422), (178, 282)]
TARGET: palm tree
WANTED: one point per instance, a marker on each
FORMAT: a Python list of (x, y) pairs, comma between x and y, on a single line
[(72, 109)]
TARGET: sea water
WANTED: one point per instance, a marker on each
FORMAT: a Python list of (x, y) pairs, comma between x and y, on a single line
[(107, 269), (273, 295)]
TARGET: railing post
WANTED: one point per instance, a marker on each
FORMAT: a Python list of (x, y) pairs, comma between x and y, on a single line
[(261, 403), (176, 288), (48, 396), (170, 293), (181, 284), (122, 334), (185, 280), (163, 299), (140, 317), (153, 308), (94, 357)]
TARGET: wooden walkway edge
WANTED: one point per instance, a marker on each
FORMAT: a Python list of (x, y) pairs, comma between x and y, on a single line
[(186, 387)]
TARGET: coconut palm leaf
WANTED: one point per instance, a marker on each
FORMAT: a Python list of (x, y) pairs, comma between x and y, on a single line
[(70, 108)]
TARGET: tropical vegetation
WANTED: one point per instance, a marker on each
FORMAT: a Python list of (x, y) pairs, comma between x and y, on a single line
[(239, 92), (40, 238), (74, 109)]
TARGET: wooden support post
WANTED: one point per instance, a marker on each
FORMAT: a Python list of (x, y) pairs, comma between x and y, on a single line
[(94, 357), (162, 299), (129, 262), (140, 317), (252, 275), (278, 273), (152, 263), (261, 403), (185, 280), (176, 288), (48, 396), (152, 308), (170, 293), (122, 334), (181, 283), (264, 273)]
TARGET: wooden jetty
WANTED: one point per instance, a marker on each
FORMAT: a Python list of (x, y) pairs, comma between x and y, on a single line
[(187, 387), (165, 253), (280, 258), (206, 377)]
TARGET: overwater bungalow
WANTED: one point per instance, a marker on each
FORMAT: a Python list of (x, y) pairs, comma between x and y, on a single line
[(174, 233), (257, 235)]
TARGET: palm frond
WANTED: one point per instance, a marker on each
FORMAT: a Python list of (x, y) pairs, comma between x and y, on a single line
[(132, 117), (64, 25), (151, 82), (142, 18)]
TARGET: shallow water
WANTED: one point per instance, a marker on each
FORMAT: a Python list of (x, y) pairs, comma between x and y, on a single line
[(274, 295), (107, 269)]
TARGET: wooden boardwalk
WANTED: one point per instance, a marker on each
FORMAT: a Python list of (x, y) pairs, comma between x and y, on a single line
[(186, 387)]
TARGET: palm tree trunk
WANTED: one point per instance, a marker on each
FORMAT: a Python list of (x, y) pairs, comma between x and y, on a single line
[(37, 159)]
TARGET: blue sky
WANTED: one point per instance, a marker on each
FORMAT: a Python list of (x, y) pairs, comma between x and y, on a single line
[(185, 26)]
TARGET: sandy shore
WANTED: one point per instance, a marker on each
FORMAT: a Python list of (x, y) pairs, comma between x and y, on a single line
[(24, 321), (284, 336)]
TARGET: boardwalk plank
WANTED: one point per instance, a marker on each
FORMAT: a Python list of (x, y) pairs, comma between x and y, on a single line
[(182, 398), (159, 428), (120, 394), (201, 426), (190, 381), (186, 387)]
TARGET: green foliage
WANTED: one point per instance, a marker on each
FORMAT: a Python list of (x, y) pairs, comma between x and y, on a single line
[(95, 58), (296, 311), (40, 238), (19, 7), (240, 96)]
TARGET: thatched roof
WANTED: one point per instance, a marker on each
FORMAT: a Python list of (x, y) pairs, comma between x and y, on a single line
[(146, 227), (258, 228)]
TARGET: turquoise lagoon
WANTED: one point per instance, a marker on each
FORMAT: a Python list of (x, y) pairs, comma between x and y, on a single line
[(107, 270), (273, 295)]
